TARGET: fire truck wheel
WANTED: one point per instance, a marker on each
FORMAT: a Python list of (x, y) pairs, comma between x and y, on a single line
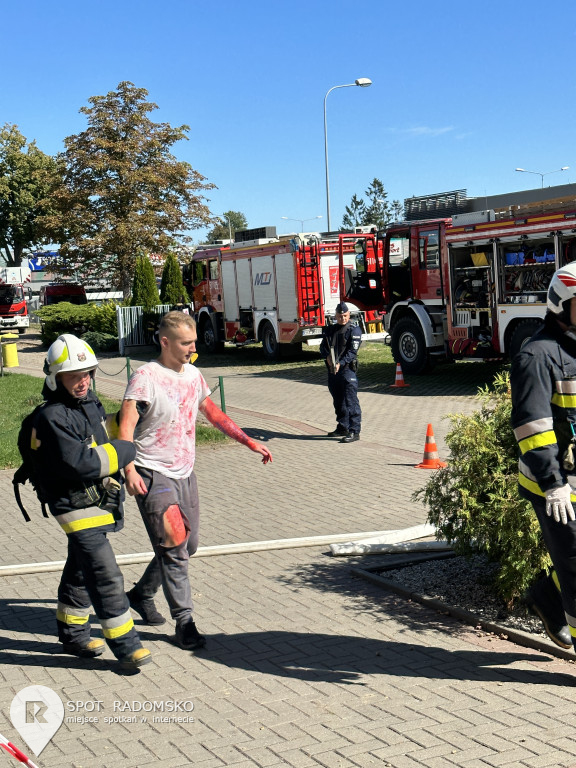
[(208, 337), (521, 334), (270, 343), (409, 346)]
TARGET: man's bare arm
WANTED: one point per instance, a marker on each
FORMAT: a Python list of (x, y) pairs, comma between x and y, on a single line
[(128, 420), (224, 423)]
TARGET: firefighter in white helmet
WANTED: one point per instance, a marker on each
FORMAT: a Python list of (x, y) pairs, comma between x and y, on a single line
[(78, 466), (543, 380)]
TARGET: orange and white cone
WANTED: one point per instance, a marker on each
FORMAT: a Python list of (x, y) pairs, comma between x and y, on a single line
[(399, 382), (431, 459)]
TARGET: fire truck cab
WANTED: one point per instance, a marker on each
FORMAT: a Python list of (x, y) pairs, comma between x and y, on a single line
[(467, 287)]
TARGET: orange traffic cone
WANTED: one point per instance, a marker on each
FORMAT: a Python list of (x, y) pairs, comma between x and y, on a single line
[(399, 382), (431, 459)]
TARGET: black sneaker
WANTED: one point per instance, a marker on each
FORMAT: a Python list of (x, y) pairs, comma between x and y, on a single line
[(146, 607), (351, 437), (188, 637), (340, 431), (543, 600)]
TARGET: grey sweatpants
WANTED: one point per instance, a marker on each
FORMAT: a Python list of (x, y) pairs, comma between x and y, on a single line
[(169, 567)]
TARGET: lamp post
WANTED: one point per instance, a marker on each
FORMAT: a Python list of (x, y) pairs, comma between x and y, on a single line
[(363, 82), (537, 173), (287, 218)]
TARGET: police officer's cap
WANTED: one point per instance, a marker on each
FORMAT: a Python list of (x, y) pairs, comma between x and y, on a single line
[(342, 308)]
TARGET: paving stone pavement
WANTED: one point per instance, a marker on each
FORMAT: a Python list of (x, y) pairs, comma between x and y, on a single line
[(306, 665)]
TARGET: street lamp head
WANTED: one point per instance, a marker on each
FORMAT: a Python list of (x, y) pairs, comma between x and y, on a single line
[(565, 168), (363, 82), (519, 169)]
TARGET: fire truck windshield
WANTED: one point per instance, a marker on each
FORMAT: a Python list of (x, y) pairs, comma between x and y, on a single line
[(10, 294)]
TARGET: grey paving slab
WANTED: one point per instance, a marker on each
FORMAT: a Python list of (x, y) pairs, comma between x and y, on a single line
[(306, 665)]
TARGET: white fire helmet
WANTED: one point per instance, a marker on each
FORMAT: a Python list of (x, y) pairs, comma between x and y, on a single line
[(562, 288), (68, 353)]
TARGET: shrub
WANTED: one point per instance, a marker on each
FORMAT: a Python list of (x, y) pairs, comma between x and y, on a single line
[(144, 288), (101, 342), (474, 502), (172, 289), (103, 319), (64, 318)]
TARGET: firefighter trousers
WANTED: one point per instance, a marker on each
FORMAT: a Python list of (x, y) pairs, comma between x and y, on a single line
[(169, 568), (343, 387), (91, 576), (560, 542)]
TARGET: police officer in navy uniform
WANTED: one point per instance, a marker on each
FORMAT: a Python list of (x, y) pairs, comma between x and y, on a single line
[(339, 348)]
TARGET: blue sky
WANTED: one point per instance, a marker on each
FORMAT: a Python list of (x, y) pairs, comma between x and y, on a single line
[(462, 93)]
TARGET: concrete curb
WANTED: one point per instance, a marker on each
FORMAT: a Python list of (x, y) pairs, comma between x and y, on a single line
[(466, 617)]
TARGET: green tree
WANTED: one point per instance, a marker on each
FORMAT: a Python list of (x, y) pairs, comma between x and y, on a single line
[(124, 192), (377, 211), (355, 213), (144, 288), (222, 230), (172, 289), (27, 177)]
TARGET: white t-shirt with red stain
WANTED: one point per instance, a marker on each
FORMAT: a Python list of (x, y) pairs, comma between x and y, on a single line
[(165, 436)]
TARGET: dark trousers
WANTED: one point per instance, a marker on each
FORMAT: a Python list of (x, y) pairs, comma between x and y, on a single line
[(169, 568), (91, 576), (343, 387), (560, 542)]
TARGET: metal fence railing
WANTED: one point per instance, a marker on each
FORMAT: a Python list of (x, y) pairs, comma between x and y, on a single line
[(131, 330)]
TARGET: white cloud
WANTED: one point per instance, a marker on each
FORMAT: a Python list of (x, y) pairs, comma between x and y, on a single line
[(426, 130)]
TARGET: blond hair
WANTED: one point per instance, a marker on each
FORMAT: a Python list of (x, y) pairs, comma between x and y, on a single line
[(174, 320)]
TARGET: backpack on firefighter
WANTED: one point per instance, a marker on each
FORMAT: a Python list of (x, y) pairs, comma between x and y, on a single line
[(27, 471)]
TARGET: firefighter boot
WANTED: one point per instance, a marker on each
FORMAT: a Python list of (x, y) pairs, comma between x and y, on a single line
[(543, 600), (146, 607), (88, 649), (188, 637), (136, 659)]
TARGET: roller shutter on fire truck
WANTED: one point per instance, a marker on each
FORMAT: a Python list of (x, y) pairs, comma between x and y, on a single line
[(229, 289), (287, 290)]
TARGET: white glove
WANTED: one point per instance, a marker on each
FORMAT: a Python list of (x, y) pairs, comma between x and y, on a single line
[(558, 504)]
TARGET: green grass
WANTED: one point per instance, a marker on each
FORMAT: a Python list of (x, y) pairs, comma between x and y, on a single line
[(20, 394)]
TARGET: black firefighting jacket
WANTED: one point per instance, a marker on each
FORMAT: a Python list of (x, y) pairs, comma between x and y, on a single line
[(345, 339), (543, 382), (74, 455)]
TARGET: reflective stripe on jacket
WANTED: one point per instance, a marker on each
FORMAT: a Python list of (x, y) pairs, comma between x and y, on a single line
[(74, 453), (543, 382)]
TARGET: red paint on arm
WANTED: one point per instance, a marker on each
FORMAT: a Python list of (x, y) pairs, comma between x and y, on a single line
[(224, 423)]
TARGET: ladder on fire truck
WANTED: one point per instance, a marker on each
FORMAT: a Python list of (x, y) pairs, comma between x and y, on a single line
[(309, 284)]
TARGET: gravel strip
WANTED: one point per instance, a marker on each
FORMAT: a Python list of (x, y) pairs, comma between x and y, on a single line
[(464, 583)]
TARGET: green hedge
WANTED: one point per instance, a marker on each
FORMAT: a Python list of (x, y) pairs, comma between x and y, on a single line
[(77, 319), (474, 502)]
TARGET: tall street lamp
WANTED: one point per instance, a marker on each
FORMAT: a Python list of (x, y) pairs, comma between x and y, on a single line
[(537, 173), (363, 82), (301, 220)]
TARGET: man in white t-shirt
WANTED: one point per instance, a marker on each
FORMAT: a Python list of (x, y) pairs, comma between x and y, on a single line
[(159, 413)]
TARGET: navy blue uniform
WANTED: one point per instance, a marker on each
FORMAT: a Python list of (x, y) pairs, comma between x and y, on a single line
[(543, 382), (75, 454), (345, 340)]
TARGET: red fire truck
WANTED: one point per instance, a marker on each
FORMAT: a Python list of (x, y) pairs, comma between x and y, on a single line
[(461, 287), (14, 290), (277, 291)]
